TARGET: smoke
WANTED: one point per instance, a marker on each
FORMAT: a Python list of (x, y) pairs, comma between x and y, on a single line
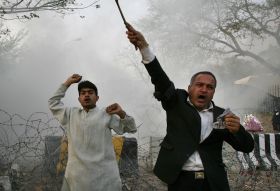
[(55, 47), (176, 43), (92, 42)]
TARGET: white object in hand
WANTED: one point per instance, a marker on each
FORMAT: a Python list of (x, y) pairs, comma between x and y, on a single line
[(220, 123)]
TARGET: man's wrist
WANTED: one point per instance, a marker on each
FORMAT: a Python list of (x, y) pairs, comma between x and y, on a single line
[(122, 114), (147, 55), (67, 84)]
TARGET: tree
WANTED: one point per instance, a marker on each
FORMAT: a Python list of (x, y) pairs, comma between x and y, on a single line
[(27, 9), (219, 28), (238, 25), (9, 46)]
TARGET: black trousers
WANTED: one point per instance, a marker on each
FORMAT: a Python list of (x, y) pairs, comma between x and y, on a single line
[(188, 182)]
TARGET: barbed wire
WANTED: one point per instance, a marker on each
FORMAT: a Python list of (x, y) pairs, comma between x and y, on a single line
[(31, 163)]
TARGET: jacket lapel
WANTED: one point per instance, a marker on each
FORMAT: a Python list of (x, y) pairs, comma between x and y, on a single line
[(195, 125)]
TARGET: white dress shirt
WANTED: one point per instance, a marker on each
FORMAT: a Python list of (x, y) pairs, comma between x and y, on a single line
[(194, 162)]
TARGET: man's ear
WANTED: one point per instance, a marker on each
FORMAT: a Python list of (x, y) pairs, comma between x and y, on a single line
[(189, 86), (79, 99), (97, 98)]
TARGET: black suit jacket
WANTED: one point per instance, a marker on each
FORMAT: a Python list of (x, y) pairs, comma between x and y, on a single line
[(183, 135)]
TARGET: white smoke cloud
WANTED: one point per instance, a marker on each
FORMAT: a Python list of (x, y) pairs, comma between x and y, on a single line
[(87, 42)]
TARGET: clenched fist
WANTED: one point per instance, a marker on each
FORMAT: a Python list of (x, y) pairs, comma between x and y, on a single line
[(115, 109), (232, 122), (135, 37), (75, 78)]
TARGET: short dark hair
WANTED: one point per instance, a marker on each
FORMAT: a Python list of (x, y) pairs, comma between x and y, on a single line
[(203, 72), (87, 84)]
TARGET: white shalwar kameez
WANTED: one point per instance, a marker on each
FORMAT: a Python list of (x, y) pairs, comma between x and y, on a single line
[(92, 164)]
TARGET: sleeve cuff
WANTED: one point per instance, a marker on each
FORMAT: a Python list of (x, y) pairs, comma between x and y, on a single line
[(147, 55)]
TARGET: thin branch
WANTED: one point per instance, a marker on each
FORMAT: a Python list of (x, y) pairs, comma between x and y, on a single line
[(272, 20), (17, 4), (216, 40), (49, 6), (233, 39), (216, 50), (263, 27)]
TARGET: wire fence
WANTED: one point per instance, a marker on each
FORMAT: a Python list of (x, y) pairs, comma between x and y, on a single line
[(22, 149), (272, 99), (30, 150)]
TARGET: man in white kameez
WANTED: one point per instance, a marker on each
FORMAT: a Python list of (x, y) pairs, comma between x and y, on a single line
[(92, 164)]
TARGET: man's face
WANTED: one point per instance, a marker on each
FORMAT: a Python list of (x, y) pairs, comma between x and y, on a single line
[(88, 98), (201, 91)]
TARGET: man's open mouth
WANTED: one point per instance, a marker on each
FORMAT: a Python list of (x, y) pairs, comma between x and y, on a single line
[(202, 97)]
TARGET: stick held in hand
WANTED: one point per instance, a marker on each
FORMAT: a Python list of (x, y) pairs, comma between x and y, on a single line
[(123, 18), (117, 2)]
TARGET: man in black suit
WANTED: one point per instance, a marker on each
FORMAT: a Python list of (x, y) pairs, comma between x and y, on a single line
[(190, 157)]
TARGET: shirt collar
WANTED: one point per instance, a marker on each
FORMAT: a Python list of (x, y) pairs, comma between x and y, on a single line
[(90, 110), (210, 108)]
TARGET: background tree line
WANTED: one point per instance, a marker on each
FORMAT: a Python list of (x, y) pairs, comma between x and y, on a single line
[(234, 36)]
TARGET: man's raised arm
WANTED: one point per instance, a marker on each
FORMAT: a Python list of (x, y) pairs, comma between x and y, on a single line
[(163, 86), (56, 105)]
